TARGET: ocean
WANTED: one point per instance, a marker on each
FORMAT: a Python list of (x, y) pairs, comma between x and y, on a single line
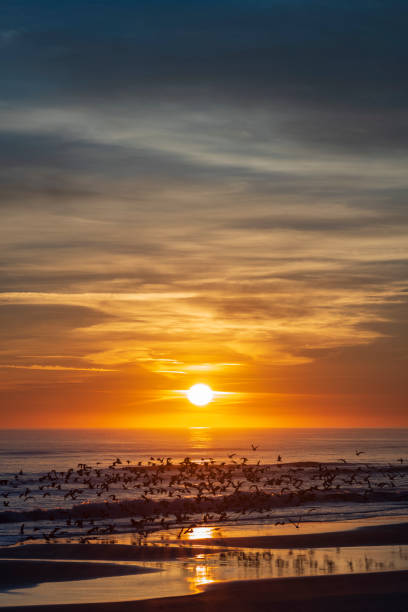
[(379, 458)]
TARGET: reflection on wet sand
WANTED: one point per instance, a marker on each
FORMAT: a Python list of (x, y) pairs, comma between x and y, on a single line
[(203, 575), (267, 529), (288, 563), (235, 564), (182, 576), (199, 533)]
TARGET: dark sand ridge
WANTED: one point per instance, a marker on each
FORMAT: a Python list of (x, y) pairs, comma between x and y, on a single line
[(352, 593), (19, 573), (101, 552)]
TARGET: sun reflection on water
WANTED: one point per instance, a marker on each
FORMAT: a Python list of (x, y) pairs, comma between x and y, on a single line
[(197, 533), (200, 438), (202, 575)]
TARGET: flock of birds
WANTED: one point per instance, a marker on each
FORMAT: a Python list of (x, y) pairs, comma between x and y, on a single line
[(162, 494)]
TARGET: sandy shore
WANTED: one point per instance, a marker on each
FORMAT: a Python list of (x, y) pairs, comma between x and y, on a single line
[(355, 593), (20, 573), (101, 552), (375, 592), (376, 535)]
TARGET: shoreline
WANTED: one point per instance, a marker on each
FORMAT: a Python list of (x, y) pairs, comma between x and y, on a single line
[(373, 535), (375, 591), (102, 552), (359, 592), (21, 573)]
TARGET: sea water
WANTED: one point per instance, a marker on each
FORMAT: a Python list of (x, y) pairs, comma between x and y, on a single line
[(35, 452)]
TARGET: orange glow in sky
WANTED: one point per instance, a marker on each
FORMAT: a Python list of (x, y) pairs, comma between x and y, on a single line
[(230, 211)]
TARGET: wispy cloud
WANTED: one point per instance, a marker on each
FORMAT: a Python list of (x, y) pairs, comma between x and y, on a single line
[(56, 368), (237, 198)]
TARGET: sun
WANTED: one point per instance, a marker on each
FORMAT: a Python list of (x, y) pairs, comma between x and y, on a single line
[(200, 394)]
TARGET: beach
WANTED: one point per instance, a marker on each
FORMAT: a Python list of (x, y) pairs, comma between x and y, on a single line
[(377, 592), (90, 523), (15, 574), (357, 591), (363, 536)]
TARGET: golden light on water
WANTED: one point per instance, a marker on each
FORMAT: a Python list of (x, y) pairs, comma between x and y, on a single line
[(200, 438), (200, 394), (197, 533), (202, 576)]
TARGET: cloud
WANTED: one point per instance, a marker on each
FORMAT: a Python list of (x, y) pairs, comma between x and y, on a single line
[(53, 368), (204, 183)]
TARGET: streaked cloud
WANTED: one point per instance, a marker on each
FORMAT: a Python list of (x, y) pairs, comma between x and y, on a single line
[(189, 186), (51, 368)]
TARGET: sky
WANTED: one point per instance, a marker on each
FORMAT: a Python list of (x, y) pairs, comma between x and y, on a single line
[(203, 191)]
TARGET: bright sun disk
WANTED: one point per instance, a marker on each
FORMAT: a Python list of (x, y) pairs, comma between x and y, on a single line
[(200, 394)]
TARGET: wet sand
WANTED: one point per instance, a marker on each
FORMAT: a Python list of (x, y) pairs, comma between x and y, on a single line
[(355, 593), (102, 552), (375, 592), (376, 535), (20, 573)]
